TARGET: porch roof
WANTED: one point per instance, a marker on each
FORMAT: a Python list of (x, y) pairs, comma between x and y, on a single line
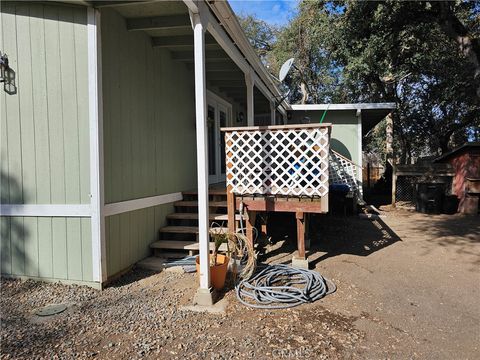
[(169, 26), (372, 113)]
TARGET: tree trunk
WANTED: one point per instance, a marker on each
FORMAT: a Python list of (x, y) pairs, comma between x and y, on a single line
[(443, 141), (468, 45), (303, 88)]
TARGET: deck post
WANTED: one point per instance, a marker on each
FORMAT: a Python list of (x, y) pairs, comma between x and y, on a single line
[(204, 292), (231, 209), (300, 216), (249, 82), (252, 217), (300, 261)]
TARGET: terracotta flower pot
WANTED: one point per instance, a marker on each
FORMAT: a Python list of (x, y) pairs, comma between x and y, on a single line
[(218, 273)]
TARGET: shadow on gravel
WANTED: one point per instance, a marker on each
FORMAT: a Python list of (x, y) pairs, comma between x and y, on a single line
[(459, 233), (333, 235), (132, 276)]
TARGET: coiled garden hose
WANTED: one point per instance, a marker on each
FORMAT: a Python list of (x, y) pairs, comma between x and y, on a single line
[(281, 286)]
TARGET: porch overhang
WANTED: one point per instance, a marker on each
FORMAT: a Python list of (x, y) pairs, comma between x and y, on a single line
[(372, 113)]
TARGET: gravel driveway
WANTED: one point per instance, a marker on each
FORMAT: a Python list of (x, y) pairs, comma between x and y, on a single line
[(408, 287)]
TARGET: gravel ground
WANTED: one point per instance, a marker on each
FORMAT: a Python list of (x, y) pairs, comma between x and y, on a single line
[(140, 317), (408, 287)]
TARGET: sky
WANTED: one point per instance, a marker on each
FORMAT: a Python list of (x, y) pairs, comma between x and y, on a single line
[(275, 12)]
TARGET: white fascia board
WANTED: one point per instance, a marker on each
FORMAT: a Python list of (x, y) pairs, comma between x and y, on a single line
[(224, 11), (264, 82), (359, 106), (224, 41)]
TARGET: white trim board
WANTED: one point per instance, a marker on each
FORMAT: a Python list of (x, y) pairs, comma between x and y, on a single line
[(137, 204), (359, 106), (46, 210), (95, 110)]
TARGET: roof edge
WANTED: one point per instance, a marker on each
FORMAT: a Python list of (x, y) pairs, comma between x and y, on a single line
[(230, 23), (458, 148), (357, 106)]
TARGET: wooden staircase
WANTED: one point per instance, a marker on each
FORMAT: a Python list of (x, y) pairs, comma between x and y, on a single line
[(180, 237)]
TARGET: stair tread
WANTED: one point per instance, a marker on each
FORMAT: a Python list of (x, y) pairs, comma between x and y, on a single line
[(171, 244), (219, 191), (195, 203), (194, 216), (182, 245), (187, 229)]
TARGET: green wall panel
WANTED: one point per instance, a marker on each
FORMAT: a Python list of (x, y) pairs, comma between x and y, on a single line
[(149, 119), (44, 142), (129, 236), (344, 130), (45, 247), (149, 136)]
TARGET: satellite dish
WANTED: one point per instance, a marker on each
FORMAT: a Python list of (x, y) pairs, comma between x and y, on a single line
[(287, 65)]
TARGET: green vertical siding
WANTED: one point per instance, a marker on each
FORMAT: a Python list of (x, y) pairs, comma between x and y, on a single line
[(44, 140), (149, 135), (45, 247), (149, 118), (344, 130), (45, 150)]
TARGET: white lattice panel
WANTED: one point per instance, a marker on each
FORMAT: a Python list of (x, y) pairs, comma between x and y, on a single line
[(342, 171), (278, 161)]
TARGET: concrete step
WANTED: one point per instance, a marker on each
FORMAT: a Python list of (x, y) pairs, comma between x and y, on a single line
[(152, 263), (219, 204)]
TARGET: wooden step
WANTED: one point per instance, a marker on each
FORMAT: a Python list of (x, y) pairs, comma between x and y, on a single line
[(194, 216), (171, 244), (216, 191), (182, 245), (189, 229), (222, 204)]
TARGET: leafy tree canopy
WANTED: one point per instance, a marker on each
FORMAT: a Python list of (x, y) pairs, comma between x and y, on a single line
[(422, 55)]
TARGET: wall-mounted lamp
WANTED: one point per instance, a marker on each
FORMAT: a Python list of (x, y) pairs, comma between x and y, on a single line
[(3, 66), (7, 75)]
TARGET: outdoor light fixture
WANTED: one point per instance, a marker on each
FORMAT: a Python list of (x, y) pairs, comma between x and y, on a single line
[(3, 66), (7, 75)]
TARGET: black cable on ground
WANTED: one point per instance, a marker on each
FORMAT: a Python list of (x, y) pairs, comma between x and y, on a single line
[(281, 286)]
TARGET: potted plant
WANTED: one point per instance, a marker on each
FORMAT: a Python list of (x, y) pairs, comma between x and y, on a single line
[(239, 249), (218, 262)]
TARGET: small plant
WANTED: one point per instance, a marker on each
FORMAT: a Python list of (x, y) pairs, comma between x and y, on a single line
[(238, 247)]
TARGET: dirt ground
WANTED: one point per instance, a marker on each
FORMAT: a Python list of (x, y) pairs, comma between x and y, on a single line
[(408, 288)]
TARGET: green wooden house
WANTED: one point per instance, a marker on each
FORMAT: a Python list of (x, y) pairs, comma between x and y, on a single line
[(109, 111)]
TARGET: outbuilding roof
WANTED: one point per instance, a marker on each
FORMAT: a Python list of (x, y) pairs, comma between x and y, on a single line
[(465, 146), (372, 113)]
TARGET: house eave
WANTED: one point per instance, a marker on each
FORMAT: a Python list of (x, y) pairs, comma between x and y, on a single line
[(229, 21), (354, 106)]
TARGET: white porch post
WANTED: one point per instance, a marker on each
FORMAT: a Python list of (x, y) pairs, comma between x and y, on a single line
[(360, 155), (203, 295), (249, 82), (272, 113)]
